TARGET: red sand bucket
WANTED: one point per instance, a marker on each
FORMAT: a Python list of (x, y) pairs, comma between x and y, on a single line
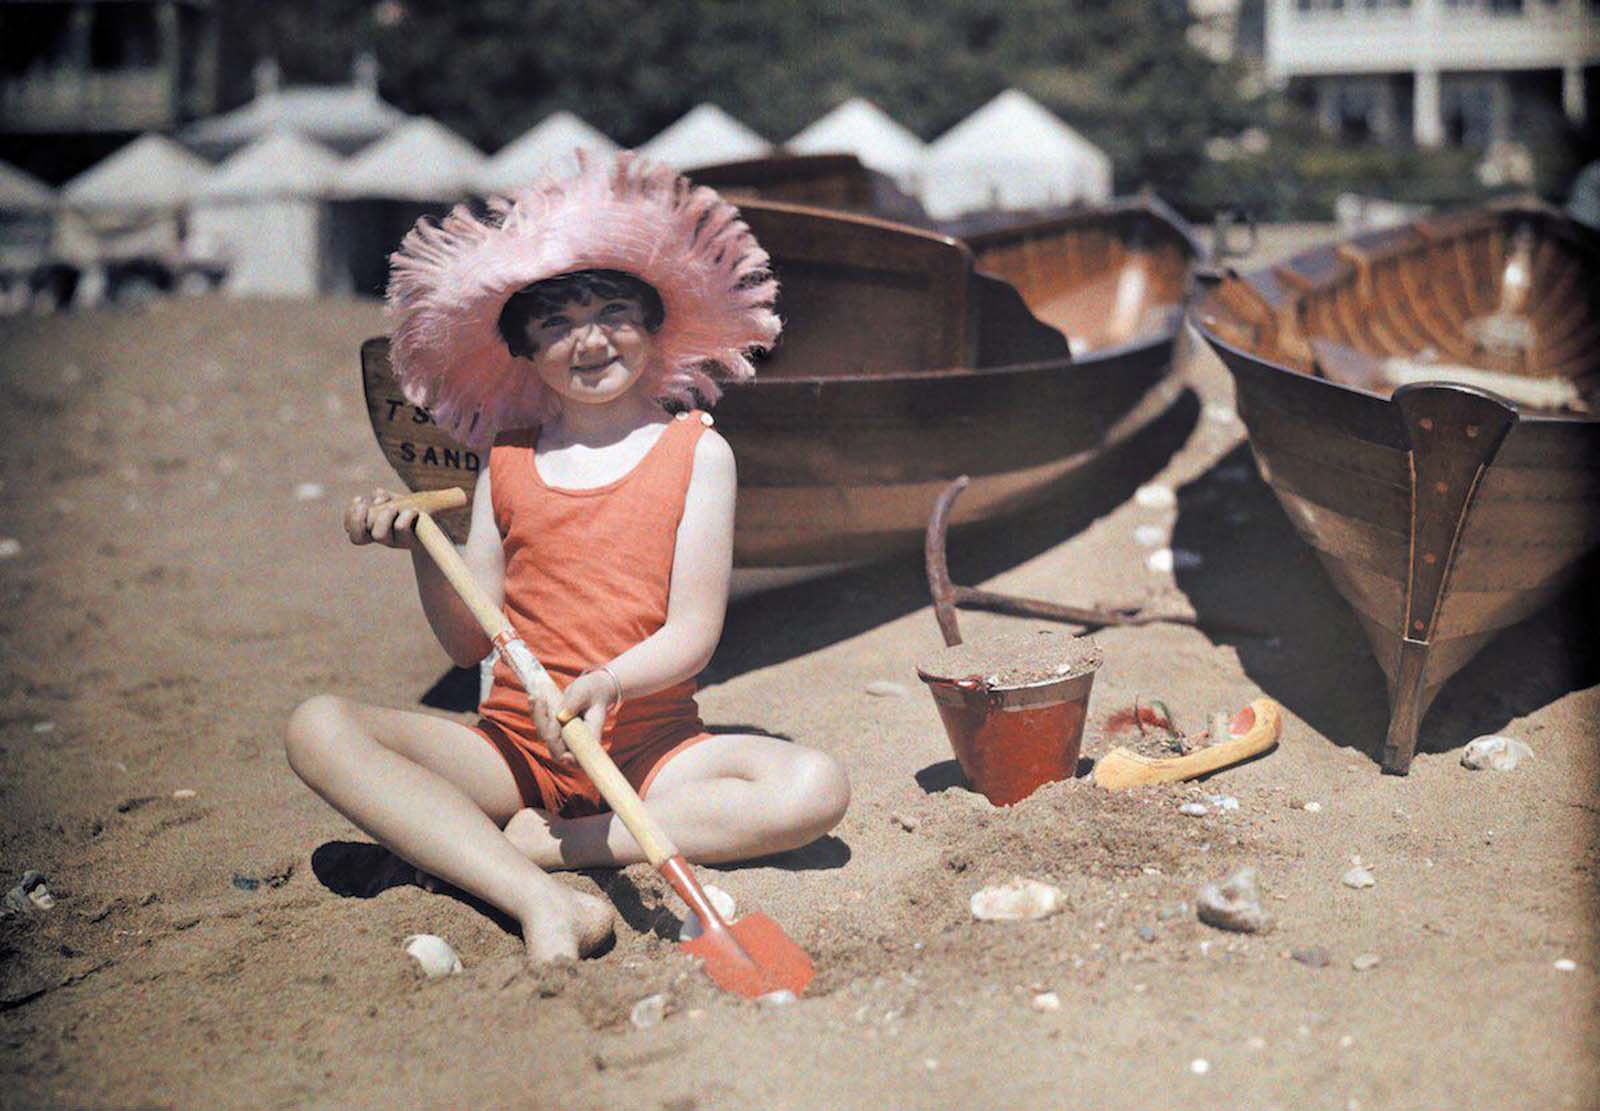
[(1012, 740)]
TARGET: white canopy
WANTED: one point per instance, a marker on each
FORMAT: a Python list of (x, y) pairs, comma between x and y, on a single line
[(1012, 153), (20, 191), (705, 136), (345, 117), (152, 172), (421, 160), (861, 128), (545, 148), (282, 164)]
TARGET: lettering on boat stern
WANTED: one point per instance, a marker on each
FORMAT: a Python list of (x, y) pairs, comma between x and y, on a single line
[(417, 451)]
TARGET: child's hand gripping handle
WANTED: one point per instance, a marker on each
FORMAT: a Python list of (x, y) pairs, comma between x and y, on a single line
[(614, 788)]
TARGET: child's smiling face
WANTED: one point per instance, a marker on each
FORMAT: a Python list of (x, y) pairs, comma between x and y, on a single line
[(590, 351)]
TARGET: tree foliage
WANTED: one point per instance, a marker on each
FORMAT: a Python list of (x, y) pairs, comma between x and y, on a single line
[(1123, 74)]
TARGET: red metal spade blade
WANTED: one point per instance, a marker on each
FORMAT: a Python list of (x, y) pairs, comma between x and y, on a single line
[(753, 957)]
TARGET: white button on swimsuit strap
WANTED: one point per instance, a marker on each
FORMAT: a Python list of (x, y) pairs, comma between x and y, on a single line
[(682, 416), (705, 419)]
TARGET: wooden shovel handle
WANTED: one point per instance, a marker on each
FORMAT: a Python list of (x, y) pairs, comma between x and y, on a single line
[(443, 550), (431, 501), (617, 791), (594, 760)]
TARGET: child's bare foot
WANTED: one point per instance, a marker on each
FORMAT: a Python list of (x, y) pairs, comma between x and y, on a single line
[(567, 925), (529, 831)]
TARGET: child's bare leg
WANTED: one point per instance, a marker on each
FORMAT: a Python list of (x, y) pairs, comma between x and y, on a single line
[(433, 792), (731, 797)]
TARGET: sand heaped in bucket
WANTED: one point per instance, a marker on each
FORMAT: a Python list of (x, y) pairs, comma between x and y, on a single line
[(1015, 659)]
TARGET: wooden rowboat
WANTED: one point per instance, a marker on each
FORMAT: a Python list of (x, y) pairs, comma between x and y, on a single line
[(910, 358), (1420, 401)]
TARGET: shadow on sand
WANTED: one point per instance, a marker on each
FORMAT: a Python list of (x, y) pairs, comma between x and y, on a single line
[(361, 870), (1315, 658)]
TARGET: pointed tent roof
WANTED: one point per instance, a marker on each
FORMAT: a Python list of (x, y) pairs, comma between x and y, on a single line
[(345, 117), (150, 172), (1016, 152), (280, 164), (20, 191), (705, 136), (861, 128), (546, 147), (423, 160)]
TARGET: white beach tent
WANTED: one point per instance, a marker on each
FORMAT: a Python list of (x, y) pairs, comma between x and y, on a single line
[(152, 172), (1013, 153), (705, 136), (265, 213), (861, 128), (133, 202), (420, 169), (421, 160), (21, 192), (546, 148), (26, 208), (343, 118), (27, 220)]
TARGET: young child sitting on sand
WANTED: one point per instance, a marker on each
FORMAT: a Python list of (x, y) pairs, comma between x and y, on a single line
[(603, 524)]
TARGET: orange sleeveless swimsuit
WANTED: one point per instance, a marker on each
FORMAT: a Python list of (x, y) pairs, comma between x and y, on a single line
[(587, 574)]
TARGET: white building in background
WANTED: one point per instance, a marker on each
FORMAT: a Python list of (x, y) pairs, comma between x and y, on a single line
[(861, 128), (422, 160), (264, 212), (1442, 71), (546, 148), (705, 136), (1013, 153)]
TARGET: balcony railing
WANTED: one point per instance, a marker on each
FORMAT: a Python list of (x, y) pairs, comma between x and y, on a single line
[(64, 100), (1359, 37)]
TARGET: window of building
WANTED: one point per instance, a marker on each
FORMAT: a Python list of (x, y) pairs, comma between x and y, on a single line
[(37, 36), (124, 36)]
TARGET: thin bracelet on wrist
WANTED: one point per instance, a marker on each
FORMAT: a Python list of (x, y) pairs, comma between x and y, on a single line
[(615, 682)]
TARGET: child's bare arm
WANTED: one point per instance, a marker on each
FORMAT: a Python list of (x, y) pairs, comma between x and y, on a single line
[(373, 520), (702, 568)]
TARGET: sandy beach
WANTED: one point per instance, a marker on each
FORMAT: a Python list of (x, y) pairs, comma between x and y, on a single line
[(173, 478)]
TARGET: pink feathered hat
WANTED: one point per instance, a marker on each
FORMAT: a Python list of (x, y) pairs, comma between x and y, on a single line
[(449, 281)]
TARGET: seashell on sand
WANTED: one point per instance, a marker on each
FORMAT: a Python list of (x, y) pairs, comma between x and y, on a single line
[(721, 902), (885, 688), (780, 998), (433, 955), (1017, 901), (1234, 904), (1495, 753), (649, 1011), (1359, 877)]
